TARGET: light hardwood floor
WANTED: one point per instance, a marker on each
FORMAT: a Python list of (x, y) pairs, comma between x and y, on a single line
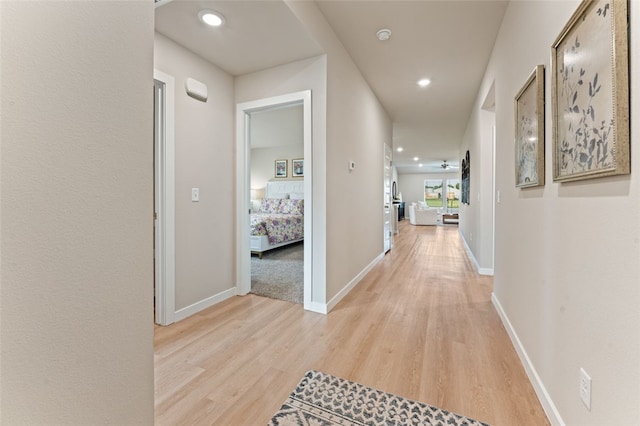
[(420, 324)]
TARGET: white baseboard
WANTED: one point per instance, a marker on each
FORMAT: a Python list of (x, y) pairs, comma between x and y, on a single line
[(481, 271), (204, 304), (485, 271), (544, 397), (320, 308), (342, 293)]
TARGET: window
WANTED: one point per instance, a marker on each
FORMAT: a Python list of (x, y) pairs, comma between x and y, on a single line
[(433, 192), (453, 194), (442, 193)]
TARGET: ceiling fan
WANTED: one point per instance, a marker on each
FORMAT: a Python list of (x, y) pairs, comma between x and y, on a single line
[(447, 166)]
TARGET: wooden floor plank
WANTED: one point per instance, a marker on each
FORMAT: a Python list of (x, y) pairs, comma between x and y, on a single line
[(420, 324)]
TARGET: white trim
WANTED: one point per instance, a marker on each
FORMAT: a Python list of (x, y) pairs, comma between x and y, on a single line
[(204, 304), (493, 194), (243, 254), (481, 271), (545, 399), (342, 293), (320, 308), (165, 199)]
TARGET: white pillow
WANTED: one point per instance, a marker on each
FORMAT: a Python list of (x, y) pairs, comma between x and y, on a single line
[(296, 195), (281, 196)]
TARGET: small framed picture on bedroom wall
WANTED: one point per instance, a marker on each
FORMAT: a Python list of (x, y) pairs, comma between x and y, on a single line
[(281, 169), (297, 167)]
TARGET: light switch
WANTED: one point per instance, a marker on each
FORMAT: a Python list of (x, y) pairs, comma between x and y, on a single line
[(195, 195)]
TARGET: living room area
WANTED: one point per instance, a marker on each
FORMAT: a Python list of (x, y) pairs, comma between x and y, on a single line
[(432, 198)]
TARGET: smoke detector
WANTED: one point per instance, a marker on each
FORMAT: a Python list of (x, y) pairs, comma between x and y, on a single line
[(384, 34)]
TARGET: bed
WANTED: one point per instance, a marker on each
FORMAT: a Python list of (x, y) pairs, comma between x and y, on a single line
[(279, 221)]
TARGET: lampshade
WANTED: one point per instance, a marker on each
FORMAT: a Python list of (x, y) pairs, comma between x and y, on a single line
[(257, 193)]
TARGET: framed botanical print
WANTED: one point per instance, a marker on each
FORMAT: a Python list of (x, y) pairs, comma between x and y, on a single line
[(297, 167), (529, 149), (281, 169), (590, 93)]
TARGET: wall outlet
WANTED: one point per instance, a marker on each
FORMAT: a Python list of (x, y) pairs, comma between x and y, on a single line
[(585, 388)]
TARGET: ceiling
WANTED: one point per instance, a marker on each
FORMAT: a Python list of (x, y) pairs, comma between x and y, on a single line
[(447, 41)]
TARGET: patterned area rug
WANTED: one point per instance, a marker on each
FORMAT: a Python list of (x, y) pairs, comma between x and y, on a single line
[(324, 400), (280, 273)]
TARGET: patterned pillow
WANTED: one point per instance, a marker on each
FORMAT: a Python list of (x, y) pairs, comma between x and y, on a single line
[(291, 207), (270, 205)]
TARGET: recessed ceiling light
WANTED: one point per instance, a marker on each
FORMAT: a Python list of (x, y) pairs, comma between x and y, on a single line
[(400, 149), (415, 158), (424, 82), (384, 34), (420, 165), (211, 17)]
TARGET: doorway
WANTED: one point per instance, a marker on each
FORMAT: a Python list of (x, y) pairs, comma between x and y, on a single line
[(277, 204), (164, 198), (243, 188)]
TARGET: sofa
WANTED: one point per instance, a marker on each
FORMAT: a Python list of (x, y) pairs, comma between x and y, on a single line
[(419, 215)]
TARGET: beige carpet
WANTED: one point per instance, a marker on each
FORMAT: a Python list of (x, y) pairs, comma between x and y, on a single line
[(280, 273), (324, 400)]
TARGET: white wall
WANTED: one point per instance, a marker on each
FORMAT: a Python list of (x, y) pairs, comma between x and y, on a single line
[(76, 182), (277, 127), (204, 147), (566, 267), (276, 134), (476, 218), (357, 129), (263, 163)]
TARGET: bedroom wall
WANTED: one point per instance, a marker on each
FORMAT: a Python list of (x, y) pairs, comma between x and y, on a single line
[(204, 145), (566, 267), (357, 129), (76, 296), (263, 163), (276, 134)]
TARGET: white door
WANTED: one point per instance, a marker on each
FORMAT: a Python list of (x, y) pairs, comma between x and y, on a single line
[(388, 210)]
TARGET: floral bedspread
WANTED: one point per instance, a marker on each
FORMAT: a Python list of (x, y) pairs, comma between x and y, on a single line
[(278, 227)]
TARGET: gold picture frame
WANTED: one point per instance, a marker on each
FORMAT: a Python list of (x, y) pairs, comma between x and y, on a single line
[(529, 142), (590, 93)]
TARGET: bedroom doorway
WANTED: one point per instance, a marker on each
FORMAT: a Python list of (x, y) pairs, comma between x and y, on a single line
[(277, 202), (245, 195)]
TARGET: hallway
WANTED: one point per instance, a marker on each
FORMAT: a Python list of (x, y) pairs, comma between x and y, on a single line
[(420, 325)]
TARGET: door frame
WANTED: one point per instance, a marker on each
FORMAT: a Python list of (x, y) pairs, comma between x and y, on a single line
[(243, 185), (164, 176)]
